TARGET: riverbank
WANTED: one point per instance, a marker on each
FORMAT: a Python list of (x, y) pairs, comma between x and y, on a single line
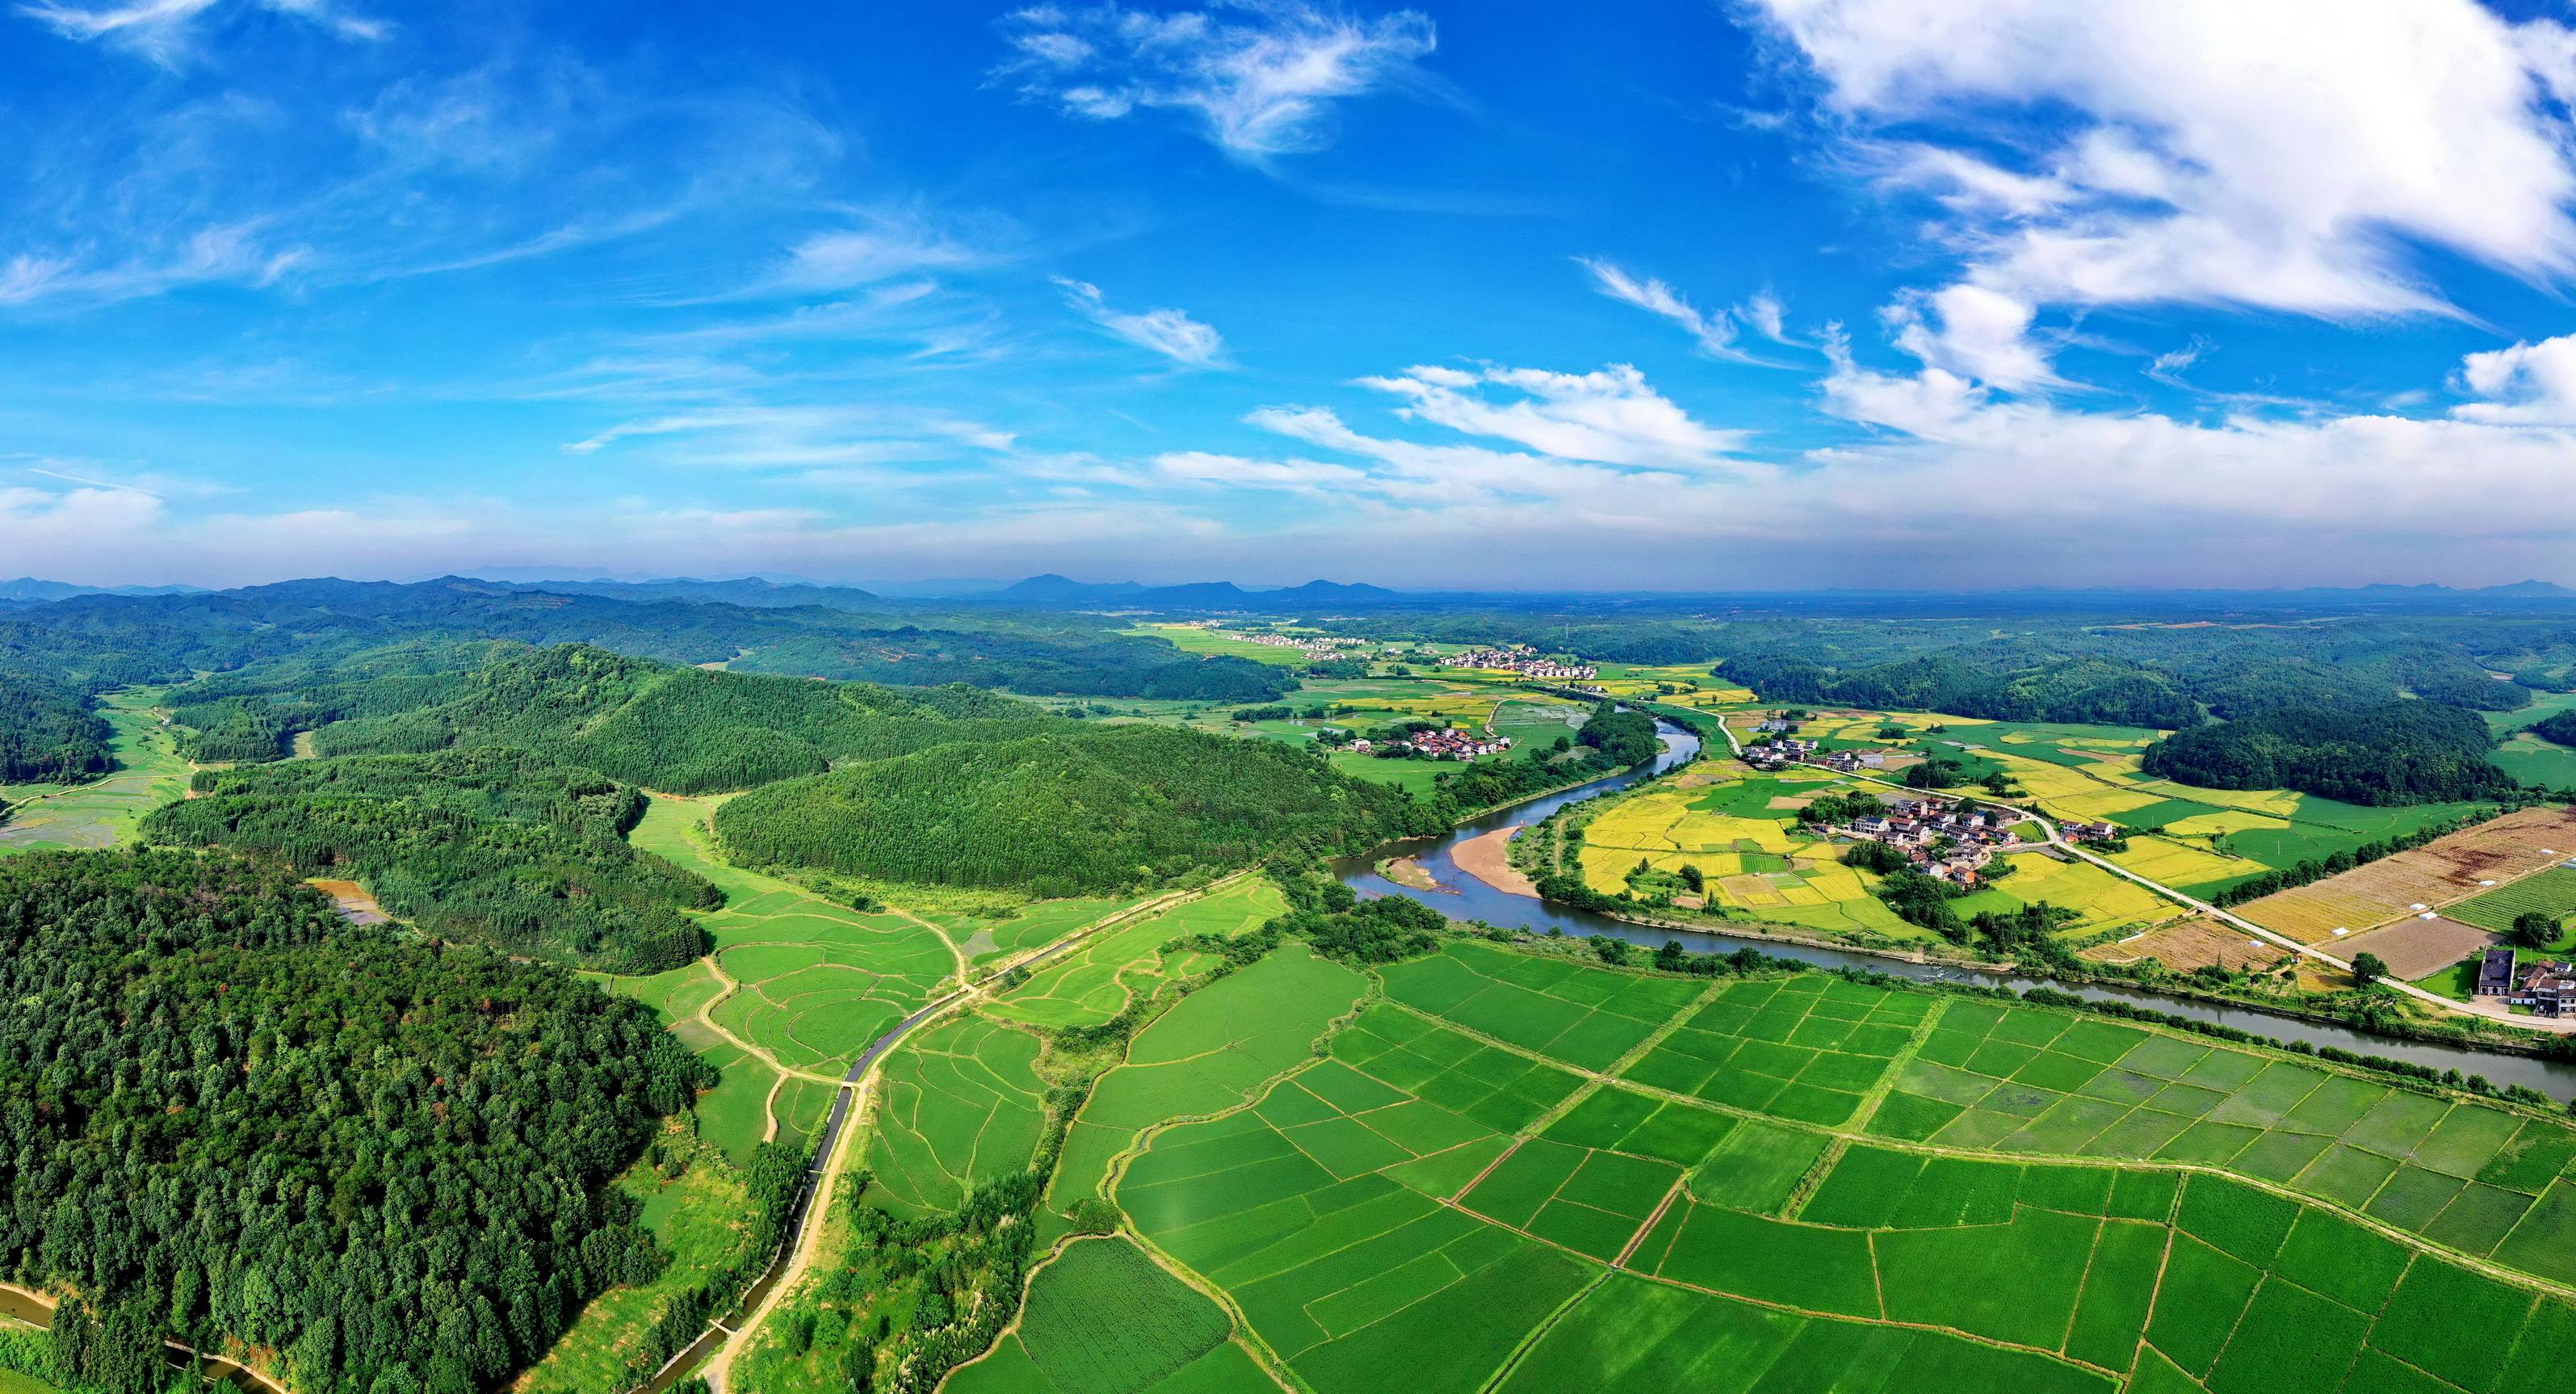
[(1469, 896), (1488, 858)]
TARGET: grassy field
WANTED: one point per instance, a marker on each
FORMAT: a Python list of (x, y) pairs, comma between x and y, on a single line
[(103, 812), (1096, 980), (958, 1105), (701, 1219), (818, 981), (1804, 1183), (1166, 1336)]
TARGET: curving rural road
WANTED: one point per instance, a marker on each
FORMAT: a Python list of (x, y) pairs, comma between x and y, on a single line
[(728, 1337)]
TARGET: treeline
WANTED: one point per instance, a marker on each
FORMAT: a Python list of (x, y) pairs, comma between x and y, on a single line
[(496, 846), (227, 1115), (2318, 868), (2559, 728), (1083, 810), (685, 730), (2397, 752), (48, 733), (99, 641), (2118, 672), (1058, 665), (1999, 682)]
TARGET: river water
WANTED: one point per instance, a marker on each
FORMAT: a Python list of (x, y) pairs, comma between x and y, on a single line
[(1463, 897)]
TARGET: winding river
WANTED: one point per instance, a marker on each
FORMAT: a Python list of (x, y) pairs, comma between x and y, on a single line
[(1463, 897)]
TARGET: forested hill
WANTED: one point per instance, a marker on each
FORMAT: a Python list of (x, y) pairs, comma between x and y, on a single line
[(108, 640), (2389, 753), (1079, 811), (685, 730), (228, 1114), (48, 733), (489, 844)]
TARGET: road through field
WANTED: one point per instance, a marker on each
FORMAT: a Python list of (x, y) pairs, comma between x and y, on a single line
[(721, 1344)]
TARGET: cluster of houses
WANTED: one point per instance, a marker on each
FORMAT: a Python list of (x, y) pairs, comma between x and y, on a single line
[(1914, 826), (2089, 832), (1449, 743), (1318, 647), (1526, 662), (2547, 987), (1791, 750)]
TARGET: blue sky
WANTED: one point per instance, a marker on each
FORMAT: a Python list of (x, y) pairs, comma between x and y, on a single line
[(1671, 296)]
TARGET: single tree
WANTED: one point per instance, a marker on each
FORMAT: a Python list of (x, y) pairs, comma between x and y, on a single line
[(2368, 968), (2534, 929)]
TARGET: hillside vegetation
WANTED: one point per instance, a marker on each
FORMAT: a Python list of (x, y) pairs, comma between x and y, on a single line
[(1075, 811), (489, 844), (48, 733), (234, 1117), (2389, 753), (683, 730)]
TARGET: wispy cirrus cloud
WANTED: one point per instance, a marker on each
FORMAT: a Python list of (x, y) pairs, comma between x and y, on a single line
[(1171, 333), (1261, 79), (166, 31), (1716, 331)]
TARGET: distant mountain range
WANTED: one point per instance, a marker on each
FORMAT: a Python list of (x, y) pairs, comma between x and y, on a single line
[(31, 591), (1055, 592)]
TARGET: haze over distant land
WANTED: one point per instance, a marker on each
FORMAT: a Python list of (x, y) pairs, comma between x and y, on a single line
[(1838, 293)]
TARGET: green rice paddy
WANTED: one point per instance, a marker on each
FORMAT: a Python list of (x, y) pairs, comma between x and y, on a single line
[(1167, 1338), (1096, 980), (958, 1106), (102, 812), (1527, 1173)]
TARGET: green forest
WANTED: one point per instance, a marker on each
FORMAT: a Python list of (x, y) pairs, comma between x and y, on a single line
[(683, 730), (1084, 810), (48, 733), (230, 1114), (2386, 753), (497, 846)]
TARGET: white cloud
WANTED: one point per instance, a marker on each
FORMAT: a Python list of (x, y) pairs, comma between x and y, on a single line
[(1295, 476), (1609, 417), (2275, 155), (1715, 331), (1975, 333), (879, 246), (799, 437), (1262, 83), (1171, 333), (164, 30), (2525, 385)]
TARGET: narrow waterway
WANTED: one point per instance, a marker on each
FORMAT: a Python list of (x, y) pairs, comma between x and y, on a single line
[(1463, 897)]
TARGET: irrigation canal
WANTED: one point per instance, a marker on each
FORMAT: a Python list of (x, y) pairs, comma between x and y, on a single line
[(1463, 897)]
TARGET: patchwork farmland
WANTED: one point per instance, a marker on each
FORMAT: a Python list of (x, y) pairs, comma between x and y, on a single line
[(1525, 1172)]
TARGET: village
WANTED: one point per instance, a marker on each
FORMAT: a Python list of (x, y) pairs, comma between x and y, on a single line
[(1437, 743), (1953, 841), (1523, 661)]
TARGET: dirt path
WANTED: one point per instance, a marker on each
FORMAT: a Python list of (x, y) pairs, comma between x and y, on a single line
[(706, 1018), (861, 1082), (802, 1248)]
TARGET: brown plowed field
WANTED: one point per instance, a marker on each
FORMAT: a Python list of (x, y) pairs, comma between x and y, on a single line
[(2433, 875)]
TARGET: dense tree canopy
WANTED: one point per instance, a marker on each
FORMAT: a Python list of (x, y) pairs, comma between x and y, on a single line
[(1082, 810), (685, 730), (2389, 753), (488, 844), (231, 1115), (48, 733)]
